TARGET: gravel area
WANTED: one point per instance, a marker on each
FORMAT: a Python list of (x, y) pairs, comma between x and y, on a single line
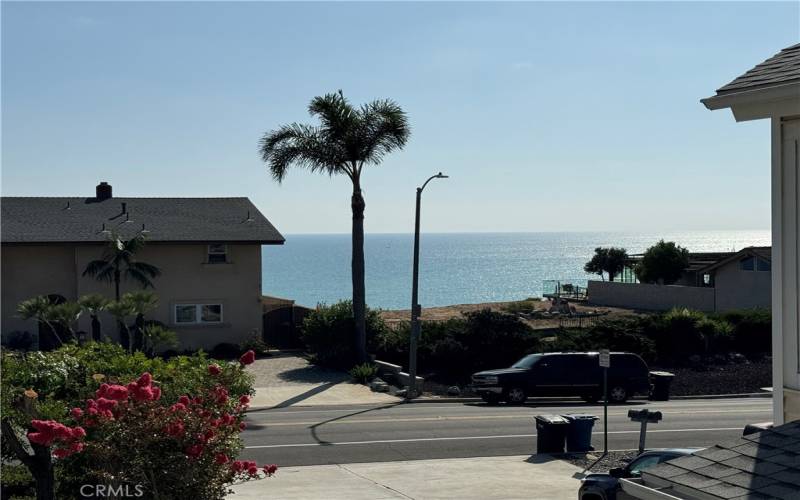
[(613, 459), (287, 369)]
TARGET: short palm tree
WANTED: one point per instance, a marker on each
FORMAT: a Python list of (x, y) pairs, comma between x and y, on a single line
[(121, 310), (141, 302), (346, 139), (41, 309), (93, 304), (66, 315), (118, 263)]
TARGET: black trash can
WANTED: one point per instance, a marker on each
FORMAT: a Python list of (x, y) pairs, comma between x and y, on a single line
[(551, 432), (661, 382), (579, 432)]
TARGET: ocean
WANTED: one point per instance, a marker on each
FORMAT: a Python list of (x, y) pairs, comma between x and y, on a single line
[(458, 268)]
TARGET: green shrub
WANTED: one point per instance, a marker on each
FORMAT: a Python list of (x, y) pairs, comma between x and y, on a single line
[(364, 372), (526, 306), (16, 482), (254, 343), (329, 333), (226, 350), (752, 331), (619, 334)]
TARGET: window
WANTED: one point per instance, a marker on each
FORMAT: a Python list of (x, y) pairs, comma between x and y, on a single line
[(764, 265), (192, 314), (707, 279), (637, 466), (747, 264), (217, 253)]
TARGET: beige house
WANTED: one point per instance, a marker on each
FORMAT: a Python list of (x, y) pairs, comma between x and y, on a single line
[(208, 250)]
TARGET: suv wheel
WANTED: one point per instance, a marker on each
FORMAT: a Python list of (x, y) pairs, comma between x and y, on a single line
[(618, 394), (516, 396)]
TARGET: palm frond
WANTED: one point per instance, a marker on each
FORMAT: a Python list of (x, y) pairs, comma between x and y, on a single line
[(93, 303), (384, 128), (141, 301), (301, 145), (139, 276), (102, 270)]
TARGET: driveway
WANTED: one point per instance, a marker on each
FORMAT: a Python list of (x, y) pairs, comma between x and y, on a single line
[(288, 379)]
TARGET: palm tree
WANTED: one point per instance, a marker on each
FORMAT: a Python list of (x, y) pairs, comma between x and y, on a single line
[(93, 304), (141, 302), (118, 263), (66, 315), (41, 309), (122, 309), (346, 139)]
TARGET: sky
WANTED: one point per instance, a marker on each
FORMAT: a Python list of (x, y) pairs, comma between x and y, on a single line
[(546, 116)]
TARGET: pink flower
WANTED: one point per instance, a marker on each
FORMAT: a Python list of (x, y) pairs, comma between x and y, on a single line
[(175, 429), (105, 405), (78, 433), (270, 469), (244, 400), (76, 447), (177, 407), (247, 358), (156, 393), (116, 392), (61, 452), (145, 380), (221, 458), (214, 369), (195, 450), (221, 394), (76, 413), (184, 400), (242, 426)]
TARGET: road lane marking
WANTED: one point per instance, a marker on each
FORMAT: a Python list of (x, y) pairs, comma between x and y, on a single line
[(476, 417), (466, 438)]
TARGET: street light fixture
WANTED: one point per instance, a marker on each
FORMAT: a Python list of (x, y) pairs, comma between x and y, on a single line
[(416, 309)]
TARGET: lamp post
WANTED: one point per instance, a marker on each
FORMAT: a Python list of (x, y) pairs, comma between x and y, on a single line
[(416, 309)]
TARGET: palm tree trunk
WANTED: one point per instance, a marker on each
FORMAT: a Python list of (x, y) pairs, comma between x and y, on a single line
[(96, 330), (124, 335), (359, 291)]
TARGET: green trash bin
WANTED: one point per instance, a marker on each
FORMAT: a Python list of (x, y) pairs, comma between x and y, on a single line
[(660, 385), (551, 432), (579, 432)]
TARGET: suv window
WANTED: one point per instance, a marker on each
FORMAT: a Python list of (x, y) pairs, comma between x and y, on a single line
[(628, 364)]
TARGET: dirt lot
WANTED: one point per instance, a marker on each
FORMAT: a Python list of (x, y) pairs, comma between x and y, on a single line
[(455, 311)]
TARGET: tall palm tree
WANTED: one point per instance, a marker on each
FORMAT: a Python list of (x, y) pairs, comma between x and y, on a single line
[(118, 263), (346, 139), (121, 310), (93, 304)]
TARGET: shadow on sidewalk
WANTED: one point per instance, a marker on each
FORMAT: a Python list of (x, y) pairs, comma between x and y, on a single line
[(300, 397)]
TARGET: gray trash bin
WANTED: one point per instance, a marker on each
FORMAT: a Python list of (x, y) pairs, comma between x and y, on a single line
[(551, 432), (579, 432)]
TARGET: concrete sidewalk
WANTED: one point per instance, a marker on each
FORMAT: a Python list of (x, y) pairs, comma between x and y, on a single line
[(515, 477), (288, 379)]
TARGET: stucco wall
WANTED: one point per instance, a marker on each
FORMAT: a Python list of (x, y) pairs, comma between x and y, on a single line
[(737, 289), (649, 297), (33, 270)]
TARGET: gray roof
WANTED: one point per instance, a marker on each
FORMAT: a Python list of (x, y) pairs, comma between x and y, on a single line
[(82, 220), (761, 465), (782, 68)]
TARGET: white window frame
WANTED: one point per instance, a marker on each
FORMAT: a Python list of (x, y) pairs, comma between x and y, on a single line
[(210, 252), (198, 314)]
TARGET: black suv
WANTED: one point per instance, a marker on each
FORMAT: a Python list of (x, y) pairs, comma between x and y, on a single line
[(564, 374)]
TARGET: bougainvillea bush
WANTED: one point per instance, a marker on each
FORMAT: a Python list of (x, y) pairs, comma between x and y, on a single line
[(168, 432)]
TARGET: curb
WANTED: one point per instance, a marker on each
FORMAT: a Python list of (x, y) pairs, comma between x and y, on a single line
[(444, 399)]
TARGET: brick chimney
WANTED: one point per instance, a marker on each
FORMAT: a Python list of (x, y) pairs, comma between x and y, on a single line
[(103, 191)]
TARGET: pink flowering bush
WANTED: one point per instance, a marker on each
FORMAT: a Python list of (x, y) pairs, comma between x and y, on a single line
[(174, 433)]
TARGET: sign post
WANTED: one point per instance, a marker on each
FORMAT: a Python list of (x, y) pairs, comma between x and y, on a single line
[(605, 363)]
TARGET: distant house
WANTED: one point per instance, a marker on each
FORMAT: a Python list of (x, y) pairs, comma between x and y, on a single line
[(208, 249), (712, 282)]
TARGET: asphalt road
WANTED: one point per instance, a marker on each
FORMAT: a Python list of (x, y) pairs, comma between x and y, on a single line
[(336, 435)]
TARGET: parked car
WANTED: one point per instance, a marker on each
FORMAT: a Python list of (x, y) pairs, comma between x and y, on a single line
[(564, 374), (607, 487)]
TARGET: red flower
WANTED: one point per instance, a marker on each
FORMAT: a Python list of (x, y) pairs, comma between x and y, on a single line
[(76, 447), (78, 433), (214, 369), (244, 400), (221, 394), (270, 469), (228, 419), (195, 450), (175, 429), (184, 400), (76, 413), (252, 470), (237, 466), (177, 407), (105, 405), (115, 392), (247, 358), (156, 393), (145, 380), (198, 400), (145, 393), (209, 435), (242, 426), (61, 452), (221, 458)]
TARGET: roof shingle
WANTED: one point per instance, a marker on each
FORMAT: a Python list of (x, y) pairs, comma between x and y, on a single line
[(83, 220), (783, 67)]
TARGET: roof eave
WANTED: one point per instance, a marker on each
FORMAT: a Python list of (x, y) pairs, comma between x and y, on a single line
[(753, 104)]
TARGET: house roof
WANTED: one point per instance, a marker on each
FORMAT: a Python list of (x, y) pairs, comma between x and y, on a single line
[(764, 253), (83, 220), (761, 465), (782, 68), (697, 260)]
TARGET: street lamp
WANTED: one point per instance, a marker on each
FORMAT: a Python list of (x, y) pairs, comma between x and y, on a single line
[(416, 309)]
